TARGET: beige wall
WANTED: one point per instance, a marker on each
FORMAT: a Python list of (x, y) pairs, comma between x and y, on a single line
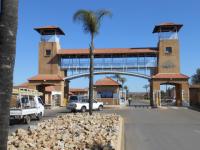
[(49, 64), (165, 59)]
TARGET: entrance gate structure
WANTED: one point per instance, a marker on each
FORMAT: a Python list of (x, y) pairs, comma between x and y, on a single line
[(159, 65)]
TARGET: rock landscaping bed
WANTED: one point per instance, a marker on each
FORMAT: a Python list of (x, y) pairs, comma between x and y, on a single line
[(70, 132)]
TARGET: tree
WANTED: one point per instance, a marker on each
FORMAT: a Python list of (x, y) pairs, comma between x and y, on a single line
[(196, 77), (8, 31), (126, 88), (117, 76), (122, 80), (146, 86), (91, 24)]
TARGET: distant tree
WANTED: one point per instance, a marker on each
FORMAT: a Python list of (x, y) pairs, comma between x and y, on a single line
[(146, 86), (8, 31), (126, 88), (196, 77), (91, 24), (117, 77), (122, 80)]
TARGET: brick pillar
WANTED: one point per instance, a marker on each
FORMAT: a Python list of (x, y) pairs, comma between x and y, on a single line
[(62, 100), (155, 99), (178, 95), (185, 92)]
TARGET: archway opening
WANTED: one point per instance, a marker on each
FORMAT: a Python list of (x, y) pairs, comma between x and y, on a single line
[(168, 94), (132, 85)]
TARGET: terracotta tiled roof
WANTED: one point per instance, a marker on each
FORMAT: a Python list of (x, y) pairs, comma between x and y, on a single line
[(168, 24), (45, 77), (170, 76), (46, 29), (106, 81), (166, 27), (22, 85), (77, 90), (109, 51), (49, 88)]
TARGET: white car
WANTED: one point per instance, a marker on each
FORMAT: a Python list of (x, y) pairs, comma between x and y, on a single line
[(78, 104), (27, 109)]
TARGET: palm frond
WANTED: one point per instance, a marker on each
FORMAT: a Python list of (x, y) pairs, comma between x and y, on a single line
[(91, 20), (103, 12)]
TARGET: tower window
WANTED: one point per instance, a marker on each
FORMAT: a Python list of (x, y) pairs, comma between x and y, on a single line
[(47, 52), (168, 50)]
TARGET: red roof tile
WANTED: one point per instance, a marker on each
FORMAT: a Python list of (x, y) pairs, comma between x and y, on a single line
[(106, 81), (45, 77), (166, 27), (22, 85), (109, 51), (49, 30), (168, 24), (170, 76)]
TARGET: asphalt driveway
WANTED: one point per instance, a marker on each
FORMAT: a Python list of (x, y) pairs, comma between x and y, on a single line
[(160, 129)]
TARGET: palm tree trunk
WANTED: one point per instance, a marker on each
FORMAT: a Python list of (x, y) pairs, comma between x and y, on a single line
[(8, 29), (122, 89), (91, 74)]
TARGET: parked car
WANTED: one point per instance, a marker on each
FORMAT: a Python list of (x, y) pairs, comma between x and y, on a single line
[(28, 105), (77, 103)]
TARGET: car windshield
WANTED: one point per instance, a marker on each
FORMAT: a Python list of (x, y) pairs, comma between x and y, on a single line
[(73, 99)]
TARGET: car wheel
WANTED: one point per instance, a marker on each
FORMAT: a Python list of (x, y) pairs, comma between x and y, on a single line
[(27, 119), (100, 108), (39, 116), (83, 109)]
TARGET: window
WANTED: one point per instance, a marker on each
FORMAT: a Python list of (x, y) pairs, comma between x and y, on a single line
[(106, 94), (47, 52), (168, 50)]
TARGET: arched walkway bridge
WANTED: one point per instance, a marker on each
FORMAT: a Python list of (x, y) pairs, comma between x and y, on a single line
[(108, 72)]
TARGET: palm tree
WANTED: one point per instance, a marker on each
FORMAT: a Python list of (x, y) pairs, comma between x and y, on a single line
[(146, 86), (117, 76), (8, 30), (122, 80), (91, 24), (126, 88)]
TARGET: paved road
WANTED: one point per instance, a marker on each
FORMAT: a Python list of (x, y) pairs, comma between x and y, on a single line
[(152, 129), (161, 129)]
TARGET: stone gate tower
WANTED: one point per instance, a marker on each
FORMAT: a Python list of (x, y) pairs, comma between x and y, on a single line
[(50, 77), (48, 49), (168, 70)]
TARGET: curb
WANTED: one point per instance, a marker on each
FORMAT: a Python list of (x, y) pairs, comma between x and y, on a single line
[(120, 144)]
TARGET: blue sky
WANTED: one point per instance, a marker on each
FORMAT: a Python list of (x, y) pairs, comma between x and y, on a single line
[(131, 26)]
